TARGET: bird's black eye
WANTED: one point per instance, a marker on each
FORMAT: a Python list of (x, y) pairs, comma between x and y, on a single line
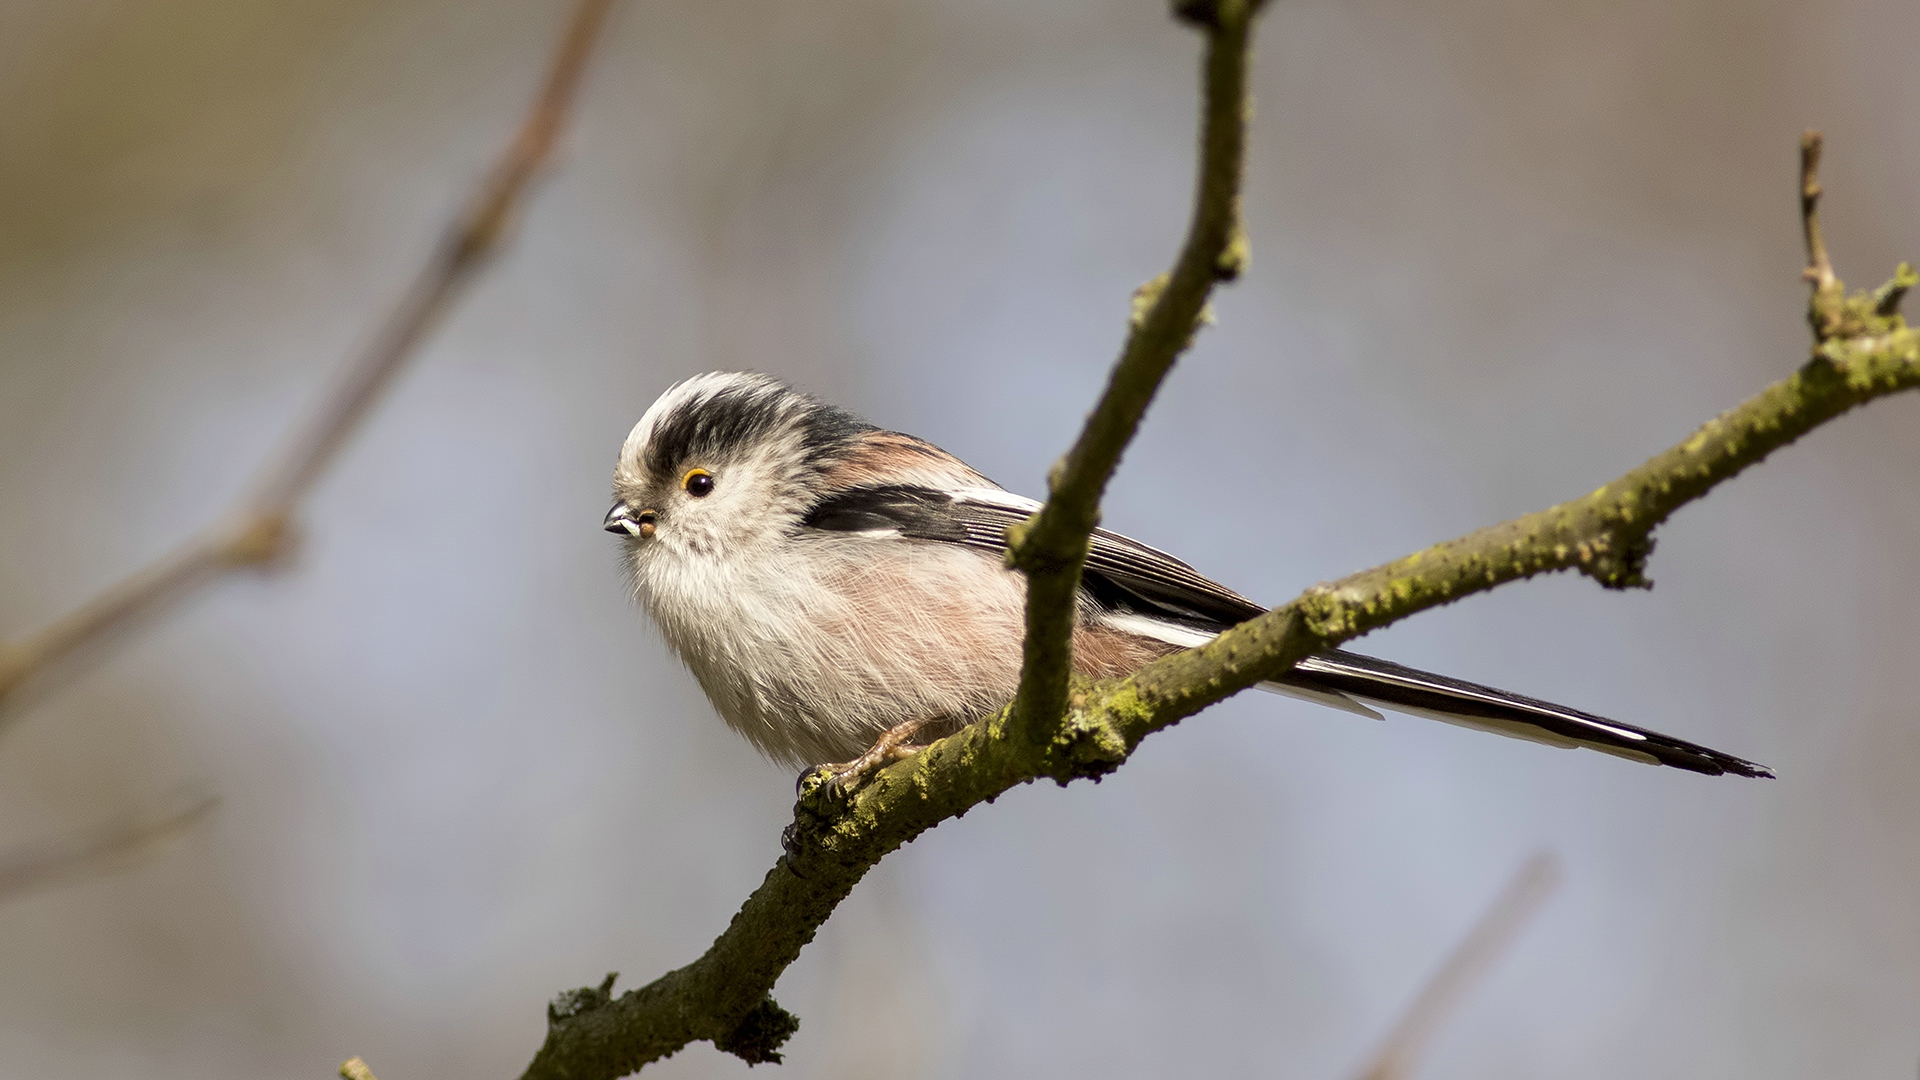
[(698, 482)]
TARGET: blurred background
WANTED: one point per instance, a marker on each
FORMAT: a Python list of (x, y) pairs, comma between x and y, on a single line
[(1502, 252)]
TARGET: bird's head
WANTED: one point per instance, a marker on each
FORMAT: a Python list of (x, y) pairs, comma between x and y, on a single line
[(723, 465)]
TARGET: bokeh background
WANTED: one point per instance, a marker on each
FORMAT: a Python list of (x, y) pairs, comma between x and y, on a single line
[(1502, 252)]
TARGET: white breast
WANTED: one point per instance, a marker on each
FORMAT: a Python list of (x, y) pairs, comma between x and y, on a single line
[(814, 646)]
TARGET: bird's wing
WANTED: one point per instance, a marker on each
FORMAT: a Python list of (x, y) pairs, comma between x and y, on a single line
[(1145, 591), (1122, 572)]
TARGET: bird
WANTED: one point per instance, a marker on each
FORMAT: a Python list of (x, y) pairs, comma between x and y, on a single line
[(841, 594)]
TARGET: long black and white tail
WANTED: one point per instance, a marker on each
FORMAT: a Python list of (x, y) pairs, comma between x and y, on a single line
[(1394, 686), (1353, 683)]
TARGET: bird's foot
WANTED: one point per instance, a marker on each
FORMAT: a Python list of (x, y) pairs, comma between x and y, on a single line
[(893, 744)]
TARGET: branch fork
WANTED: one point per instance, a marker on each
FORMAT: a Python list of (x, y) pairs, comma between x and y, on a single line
[(1843, 326)]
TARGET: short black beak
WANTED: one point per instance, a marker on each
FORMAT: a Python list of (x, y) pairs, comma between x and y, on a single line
[(623, 521)]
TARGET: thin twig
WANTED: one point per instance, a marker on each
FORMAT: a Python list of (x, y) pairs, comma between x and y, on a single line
[(258, 529), (468, 240), (1819, 266), (1052, 547), (1825, 303), (724, 996), (27, 868), (1471, 960)]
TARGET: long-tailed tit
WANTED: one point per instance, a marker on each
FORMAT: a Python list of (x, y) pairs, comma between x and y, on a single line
[(837, 589)]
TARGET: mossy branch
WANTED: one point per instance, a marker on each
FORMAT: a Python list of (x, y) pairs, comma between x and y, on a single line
[(1606, 535), (1862, 350)]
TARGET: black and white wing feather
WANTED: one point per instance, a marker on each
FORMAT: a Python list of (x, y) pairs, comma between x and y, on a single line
[(1145, 591)]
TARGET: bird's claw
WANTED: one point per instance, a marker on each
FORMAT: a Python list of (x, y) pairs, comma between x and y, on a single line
[(842, 778)]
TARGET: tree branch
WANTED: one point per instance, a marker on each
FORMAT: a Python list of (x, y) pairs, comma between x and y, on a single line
[(1051, 548), (1866, 352), (259, 528)]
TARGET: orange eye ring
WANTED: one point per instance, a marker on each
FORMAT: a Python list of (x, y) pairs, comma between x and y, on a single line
[(697, 483)]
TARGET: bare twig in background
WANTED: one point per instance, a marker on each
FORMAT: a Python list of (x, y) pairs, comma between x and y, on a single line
[(1470, 962), (725, 995), (259, 527), (26, 868), (355, 1069)]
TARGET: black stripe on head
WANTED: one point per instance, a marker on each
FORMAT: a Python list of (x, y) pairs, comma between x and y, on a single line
[(711, 425)]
